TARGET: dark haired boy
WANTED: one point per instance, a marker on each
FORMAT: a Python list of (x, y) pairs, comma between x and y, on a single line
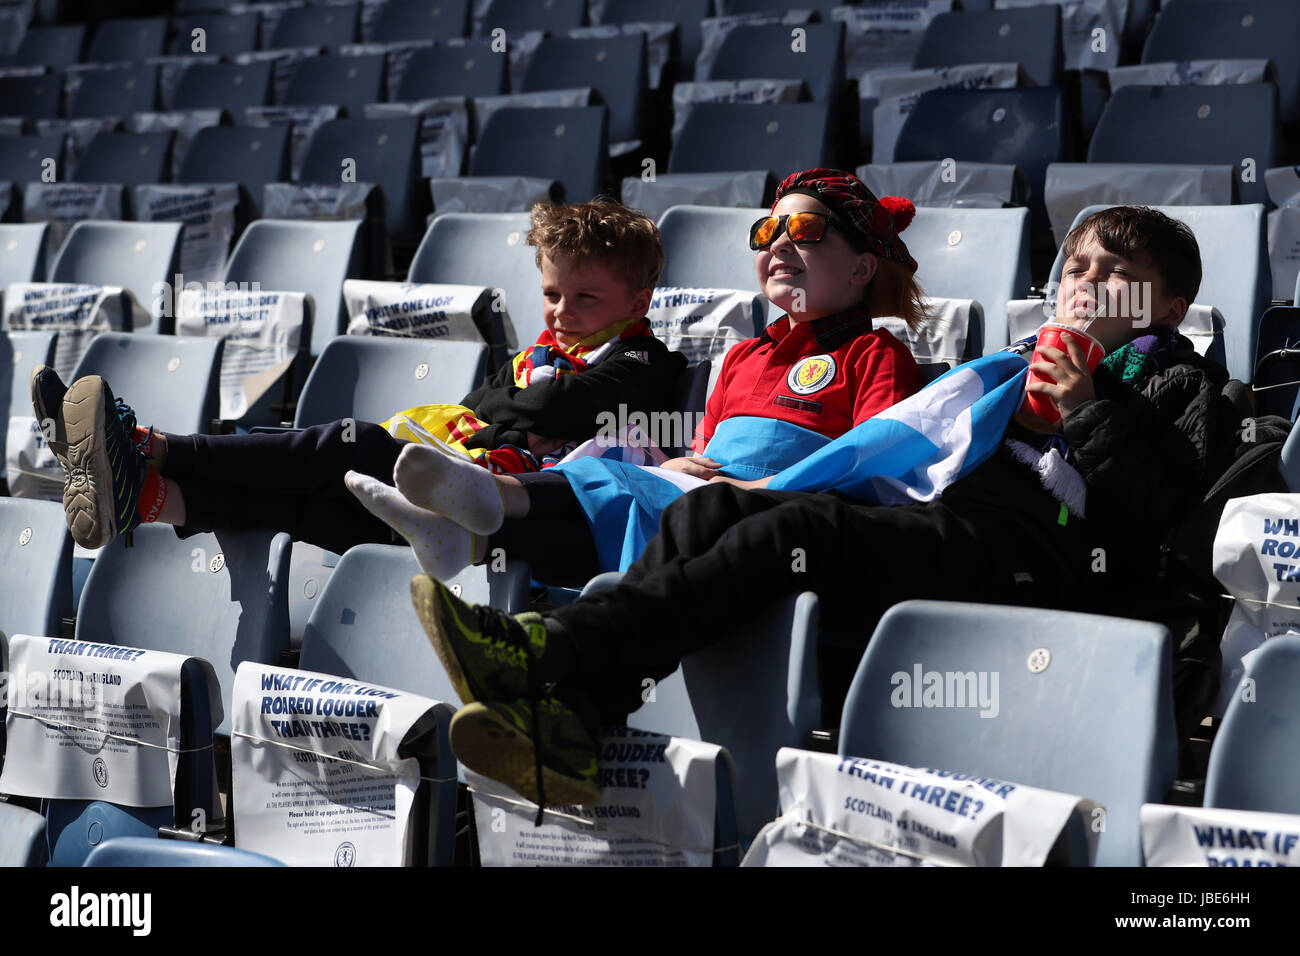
[(1069, 515)]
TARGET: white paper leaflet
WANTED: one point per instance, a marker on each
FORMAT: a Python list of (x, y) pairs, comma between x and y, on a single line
[(1200, 836), (704, 323), (319, 779), (262, 332), (886, 33), (658, 802), (942, 338), (95, 721), (899, 90), (847, 811), (63, 205), (1091, 30), (1189, 73), (1255, 559), (209, 216), (444, 131), (686, 95), (78, 312), (950, 183), (456, 313), (1283, 185), (303, 121)]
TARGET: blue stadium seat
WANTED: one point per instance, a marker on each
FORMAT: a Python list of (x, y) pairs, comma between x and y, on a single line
[(980, 254), (127, 41), (615, 66), (132, 255), (487, 249), (20, 352), (118, 91), (1028, 128), (22, 836), (36, 549), (314, 257), (224, 34), (765, 51), (228, 598), (34, 97), (51, 46), (21, 157), (1097, 721), (1277, 362), (229, 86), (128, 158), (522, 16), (404, 20), (1289, 464), (687, 14), (364, 626), (707, 247), (1236, 277), (1246, 29), (249, 155), (22, 252), (385, 152), (1252, 762), (370, 378), (453, 71), (317, 25), (142, 851), (171, 381), (569, 144), (1209, 125), (1030, 36), (780, 137), (731, 8), (348, 81)]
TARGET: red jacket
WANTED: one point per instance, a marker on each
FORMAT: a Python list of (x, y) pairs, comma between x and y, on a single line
[(826, 375)]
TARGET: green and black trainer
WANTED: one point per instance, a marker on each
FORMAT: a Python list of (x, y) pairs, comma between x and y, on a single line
[(104, 469), (555, 766), (487, 653)]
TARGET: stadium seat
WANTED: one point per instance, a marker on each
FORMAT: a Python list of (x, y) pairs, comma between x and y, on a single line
[(313, 257), (348, 81), (20, 352), (487, 249), (366, 608), (385, 152), (1247, 29), (732, 8), (954, 251), (229, 86), (765, 51), (319, 25), (1252, 762), (227, 597), (569, 144), (142, 851), (128, 158), (22, 836), (1030, 36), (1091, 713), (250, 155), (370, 378), (707, 247), (36, 549), (615, 66), (452, 71), (127, 41), (687, 14), (51, 46), (33, 97), (1236, 278), (727, 137), (1277, 361), (1289, 463), (22, 158), (522, 16), (405, 20), (1209, 125), (171, 381), (118, 91), (224, 34), (22, 252), (135, 256)]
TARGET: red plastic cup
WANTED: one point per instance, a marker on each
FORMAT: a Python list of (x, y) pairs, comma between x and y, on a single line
[(1052, 335)]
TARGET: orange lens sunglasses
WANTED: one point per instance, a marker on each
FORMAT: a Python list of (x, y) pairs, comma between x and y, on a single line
[(802, 227)]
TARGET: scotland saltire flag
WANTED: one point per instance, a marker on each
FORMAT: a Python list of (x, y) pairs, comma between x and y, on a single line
[(910, 453)]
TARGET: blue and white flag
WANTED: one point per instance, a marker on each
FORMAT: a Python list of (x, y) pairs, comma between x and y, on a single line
[(910, 453)]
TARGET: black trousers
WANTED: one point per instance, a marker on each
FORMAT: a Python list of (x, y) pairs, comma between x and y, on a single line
[(284, 482), (721, 550)]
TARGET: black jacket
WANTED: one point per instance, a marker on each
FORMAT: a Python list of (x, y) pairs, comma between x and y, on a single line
[(640, 373)]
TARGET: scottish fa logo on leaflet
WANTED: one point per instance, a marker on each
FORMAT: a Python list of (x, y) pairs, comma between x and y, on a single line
[(100, 771), (345, 855)]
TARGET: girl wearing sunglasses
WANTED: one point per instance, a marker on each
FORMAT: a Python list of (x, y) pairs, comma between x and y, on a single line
[(830, 257)]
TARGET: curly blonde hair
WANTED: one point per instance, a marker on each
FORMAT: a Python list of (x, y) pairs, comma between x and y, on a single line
[(603, 231)]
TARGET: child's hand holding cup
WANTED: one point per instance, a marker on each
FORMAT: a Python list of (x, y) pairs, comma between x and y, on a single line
[(1041, 405)]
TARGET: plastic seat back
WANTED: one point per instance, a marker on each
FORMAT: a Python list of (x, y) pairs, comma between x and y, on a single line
[(22, 836), (487, 249), (522, 16), (454, 71), (249, 155), (35, 97), (371, 378), (349, 81), (129, 158), (51, 46), (22, 252), (1082, 704), (313, 257), (421, 20), (141, 851), (231, 86), (780, 137), (320, 25), (1030, 36), (765, 51), (707, 247), (687, 14), (115, 92), (224, 34), (22, 158), (615, 66), (128, 41), (36, 554), (136, 256), (569, 144)]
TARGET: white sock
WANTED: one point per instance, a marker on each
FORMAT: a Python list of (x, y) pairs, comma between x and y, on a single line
[(442, 479), (442, 547)]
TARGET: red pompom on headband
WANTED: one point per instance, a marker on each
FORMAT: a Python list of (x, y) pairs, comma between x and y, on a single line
[(876, 223)]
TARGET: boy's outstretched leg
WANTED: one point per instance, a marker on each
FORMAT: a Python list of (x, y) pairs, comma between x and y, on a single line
[(442, 547)]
